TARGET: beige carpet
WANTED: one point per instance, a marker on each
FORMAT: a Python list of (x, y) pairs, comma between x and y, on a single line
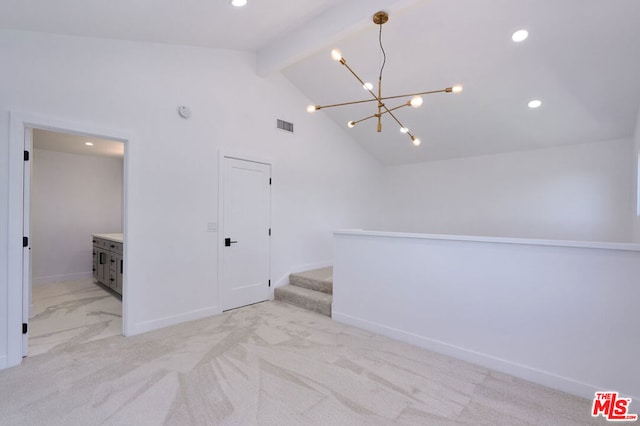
[(271, 364)]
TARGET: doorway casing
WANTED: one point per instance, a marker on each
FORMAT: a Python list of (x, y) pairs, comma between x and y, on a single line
[(19, 125)]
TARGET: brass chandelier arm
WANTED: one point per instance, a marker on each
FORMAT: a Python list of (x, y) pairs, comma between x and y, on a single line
[(353, 123), (390, 112), (447, 90), (384, 112), (344, 62), (344, 103), (396, 119), (378, 98), (382, 105)]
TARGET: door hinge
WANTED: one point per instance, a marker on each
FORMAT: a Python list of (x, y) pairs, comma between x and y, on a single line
[(25, 328), (26, 156), (25, 241), (269, 181), (269, 283), (269, 231)]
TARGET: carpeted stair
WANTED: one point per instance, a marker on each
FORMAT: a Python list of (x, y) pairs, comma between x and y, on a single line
[(309, 290)]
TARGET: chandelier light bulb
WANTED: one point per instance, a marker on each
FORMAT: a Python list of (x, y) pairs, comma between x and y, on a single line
[(336, 54), (520, 35), (416, 101), (238, 3), (457, 88), (404, 130), (351, 124), (416, 141), (311, 108), (368, 86)]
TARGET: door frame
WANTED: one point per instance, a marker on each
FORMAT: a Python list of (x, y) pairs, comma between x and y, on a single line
[(19, 123), (222, 154), (27, 175)]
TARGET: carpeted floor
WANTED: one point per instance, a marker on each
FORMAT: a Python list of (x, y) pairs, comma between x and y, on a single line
[(271, 364)]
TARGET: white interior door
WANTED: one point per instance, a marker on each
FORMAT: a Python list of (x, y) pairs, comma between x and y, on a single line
[(246, 199), (26, 232)]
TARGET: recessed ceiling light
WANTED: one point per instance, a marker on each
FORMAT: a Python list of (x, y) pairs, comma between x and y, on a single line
[(520, 35), (88, 143), (535, 103), (238, 3)]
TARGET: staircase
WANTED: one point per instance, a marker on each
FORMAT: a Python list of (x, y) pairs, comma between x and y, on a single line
[(310, 290)]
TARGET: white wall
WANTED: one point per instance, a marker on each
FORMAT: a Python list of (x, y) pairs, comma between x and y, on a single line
[(576, 192), (635, 159), (561, 315), (322, 180), (72, 197)]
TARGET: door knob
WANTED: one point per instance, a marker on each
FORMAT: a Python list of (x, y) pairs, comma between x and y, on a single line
[(228, 242)]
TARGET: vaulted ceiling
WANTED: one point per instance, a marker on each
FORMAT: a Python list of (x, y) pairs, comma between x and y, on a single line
[(581, 60)]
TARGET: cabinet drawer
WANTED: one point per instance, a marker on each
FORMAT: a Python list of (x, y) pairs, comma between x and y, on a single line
[(117, 248), (100, 243), (119, 266), (113, 262)]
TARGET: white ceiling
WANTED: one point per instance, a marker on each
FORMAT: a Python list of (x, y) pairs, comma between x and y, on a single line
[(581, 60), (206, 23), (75, 144)]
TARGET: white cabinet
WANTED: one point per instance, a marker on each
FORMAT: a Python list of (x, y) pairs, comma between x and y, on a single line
[(108, 261)]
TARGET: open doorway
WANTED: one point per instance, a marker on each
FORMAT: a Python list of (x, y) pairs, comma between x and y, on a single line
[(21, 126), (76, 193)]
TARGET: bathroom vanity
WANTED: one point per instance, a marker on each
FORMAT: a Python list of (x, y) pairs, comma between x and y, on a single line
[(108, 260)]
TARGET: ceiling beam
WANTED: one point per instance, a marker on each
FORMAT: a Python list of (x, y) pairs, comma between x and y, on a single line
[(323, 30)]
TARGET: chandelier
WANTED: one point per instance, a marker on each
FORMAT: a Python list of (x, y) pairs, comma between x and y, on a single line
[(415, 100)]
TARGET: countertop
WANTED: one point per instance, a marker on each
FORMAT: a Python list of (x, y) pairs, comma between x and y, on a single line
[(118, 238)]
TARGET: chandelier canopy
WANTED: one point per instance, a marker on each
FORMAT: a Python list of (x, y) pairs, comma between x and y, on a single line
[(414, 99)]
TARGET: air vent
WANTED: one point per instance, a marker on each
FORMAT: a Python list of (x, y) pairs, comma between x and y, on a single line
[(285, 125)]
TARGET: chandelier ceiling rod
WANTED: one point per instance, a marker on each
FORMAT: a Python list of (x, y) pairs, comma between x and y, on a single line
[(416, 100)]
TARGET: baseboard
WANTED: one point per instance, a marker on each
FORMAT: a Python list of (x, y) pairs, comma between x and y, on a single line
[(59, 278), (531, 374), (284, 280), (147, 326)]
